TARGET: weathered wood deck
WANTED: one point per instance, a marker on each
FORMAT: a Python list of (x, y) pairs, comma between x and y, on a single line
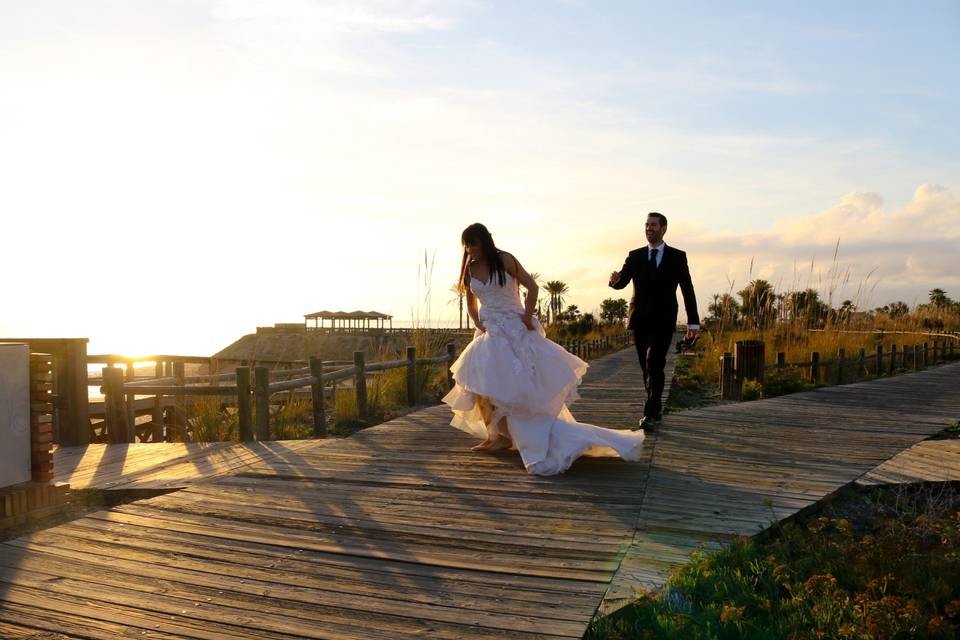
[(161, 465), (401, 532), (927, 461), (733, 470)]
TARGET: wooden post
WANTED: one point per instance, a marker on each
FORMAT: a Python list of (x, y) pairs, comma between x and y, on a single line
[(926, 354), (360, 382), (893, 358), (781, 360), (915, 352), (748, 360), (243, 404), (815, 367), (451, 358), (411, 376), (879, 369), (156, 419), (862, 364), (728, 388), (114, 412), (179, 402), (316, 390), (841, 362), (261, 393), (131, 407)]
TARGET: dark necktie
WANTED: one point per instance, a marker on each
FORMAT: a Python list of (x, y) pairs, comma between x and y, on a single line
[(653, 260)]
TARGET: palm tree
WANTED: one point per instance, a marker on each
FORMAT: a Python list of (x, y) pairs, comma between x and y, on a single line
[(613, 310), (556, 289), (725, 310), (758, 299), (938, 298), (458, 298)]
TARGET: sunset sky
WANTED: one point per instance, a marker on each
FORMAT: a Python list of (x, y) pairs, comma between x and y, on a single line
[(177, 172)]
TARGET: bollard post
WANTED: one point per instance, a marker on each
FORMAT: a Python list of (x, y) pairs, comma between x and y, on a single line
[(261, 393), (243, 404), (179, 402), (360, 383), (114, 412), (815, 367), (728, 387), (411, 376), (316, 391)]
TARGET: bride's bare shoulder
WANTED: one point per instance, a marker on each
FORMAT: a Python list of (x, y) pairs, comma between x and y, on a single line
[(509, 262)]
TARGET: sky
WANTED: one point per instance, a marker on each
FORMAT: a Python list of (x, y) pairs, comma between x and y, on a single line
[(174, 173)]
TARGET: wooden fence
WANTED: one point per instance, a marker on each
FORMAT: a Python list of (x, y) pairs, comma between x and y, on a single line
[(748, 362), (164, 395), (249, 389)]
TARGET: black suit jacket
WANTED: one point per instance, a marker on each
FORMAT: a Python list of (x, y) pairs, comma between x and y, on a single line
[(654, 303)]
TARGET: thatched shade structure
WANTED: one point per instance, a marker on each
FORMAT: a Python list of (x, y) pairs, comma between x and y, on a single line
[(350, 320)]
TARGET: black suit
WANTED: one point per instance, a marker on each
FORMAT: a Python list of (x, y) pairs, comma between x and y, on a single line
[(653, 312)]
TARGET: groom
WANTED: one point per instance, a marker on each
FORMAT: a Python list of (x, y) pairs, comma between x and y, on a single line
[(656, 271)]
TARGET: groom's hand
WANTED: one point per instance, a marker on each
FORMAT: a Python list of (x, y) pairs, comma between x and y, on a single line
[(614, 277), (692, 333)]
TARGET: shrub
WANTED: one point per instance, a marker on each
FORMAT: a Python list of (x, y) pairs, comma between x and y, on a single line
[(889, 570), (778, 382), (751, 390)]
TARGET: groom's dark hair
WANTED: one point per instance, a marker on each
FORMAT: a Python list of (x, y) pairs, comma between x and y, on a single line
[(660, 216)]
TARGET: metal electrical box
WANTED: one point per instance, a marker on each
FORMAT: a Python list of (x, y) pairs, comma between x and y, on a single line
[(14, 414)]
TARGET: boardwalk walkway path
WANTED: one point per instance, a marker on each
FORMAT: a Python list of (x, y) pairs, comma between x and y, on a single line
[(401, 532)]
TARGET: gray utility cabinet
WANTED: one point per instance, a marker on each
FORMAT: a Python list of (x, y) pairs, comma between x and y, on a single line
[(14, 414)]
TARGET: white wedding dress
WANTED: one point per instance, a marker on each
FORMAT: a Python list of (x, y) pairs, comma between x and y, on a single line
[(530, 380)]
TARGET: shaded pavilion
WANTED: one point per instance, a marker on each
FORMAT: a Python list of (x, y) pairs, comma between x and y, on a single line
[(349, 320)]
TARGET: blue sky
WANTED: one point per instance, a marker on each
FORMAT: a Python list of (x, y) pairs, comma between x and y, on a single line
[(350, 138)]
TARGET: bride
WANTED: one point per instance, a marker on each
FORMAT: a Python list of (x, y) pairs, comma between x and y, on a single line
[(513, 384)]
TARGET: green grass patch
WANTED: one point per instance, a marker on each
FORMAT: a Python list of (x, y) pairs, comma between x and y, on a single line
[(873, 564)]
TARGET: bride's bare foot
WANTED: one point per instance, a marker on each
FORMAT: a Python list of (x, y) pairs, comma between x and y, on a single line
[(483, 446), (500, 444)]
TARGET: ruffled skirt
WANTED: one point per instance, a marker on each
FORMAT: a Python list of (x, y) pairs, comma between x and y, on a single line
[(531, 381)]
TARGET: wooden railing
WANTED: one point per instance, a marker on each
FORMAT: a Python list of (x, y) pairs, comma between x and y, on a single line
[(249, 389), (749, 363), (588, 349), (251, 393)]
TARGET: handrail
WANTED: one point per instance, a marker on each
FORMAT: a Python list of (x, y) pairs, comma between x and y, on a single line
[(253, 387)]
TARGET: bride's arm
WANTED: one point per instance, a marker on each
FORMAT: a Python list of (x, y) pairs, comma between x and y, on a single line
[(515, 269), (473, 311)]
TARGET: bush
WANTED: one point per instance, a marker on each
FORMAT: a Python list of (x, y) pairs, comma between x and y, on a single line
[(889, 570), (778, 382), (751, 390)]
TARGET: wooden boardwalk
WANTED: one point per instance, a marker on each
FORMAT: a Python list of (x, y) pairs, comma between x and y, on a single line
[(732, 470), (401, 532), (397, 532), (927, 461), (162, 465)]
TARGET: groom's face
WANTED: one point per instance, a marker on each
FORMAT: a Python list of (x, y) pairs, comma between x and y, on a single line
[(655, 230)]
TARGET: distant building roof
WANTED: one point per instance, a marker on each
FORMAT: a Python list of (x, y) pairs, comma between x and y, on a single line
[(328, 315)]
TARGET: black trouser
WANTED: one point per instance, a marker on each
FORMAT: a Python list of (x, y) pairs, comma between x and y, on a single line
[(652, 346)]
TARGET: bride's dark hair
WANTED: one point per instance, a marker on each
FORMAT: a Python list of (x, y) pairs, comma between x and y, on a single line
[(478, 234)]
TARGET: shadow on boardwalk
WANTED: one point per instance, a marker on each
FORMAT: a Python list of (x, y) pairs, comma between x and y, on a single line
[(401, 532)]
